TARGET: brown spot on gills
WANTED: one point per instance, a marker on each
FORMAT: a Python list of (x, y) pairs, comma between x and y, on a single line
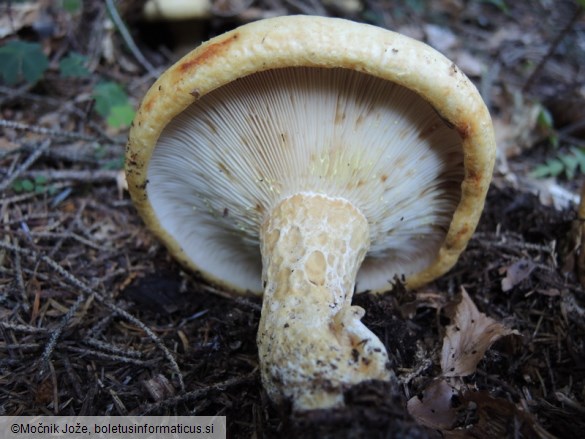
[(207, 53), (211, 125), (223, 168), (383, 178), (429, 130)]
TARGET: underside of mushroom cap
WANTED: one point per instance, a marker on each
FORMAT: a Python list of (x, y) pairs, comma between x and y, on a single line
[(398, 112)]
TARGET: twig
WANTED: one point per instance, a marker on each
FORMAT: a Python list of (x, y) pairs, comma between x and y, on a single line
[(131, 353), (170, 358), (69, 235), (27, 163), (73, 377), (97, 329), (115, 16), (22, 197), (20, 346), (552, 48), (314, 9), (46, 131), (23, 328), (20, 280), (111, 357), (171, 402), (56, 333), (83, 287), (87, 175), (57, 103)]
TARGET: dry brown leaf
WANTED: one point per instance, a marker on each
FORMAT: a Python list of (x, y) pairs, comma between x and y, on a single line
[(468, 337), (440, 37), (434, 408), (14, 16), (516, 273), (426, 298), (517, 131), (496, 418), (471, 65)]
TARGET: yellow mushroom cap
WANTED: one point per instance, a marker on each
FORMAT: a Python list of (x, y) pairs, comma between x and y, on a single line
[(314, 105)]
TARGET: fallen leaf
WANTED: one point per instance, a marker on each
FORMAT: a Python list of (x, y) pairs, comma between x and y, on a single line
[(516, 273), (426, 298), (440, 38), (159, 388), (434, 407), (468, 337), (497, 417), (471, 65), (18, 16)]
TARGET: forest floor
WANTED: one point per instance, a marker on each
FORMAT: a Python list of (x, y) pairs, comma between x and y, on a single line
[(96, 318)]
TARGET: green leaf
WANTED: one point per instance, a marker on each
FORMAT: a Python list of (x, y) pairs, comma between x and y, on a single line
[(41, 180), (540, 171), (24, 185), (552, 168), (108, 95), (500, 4), (545, 118), (111, 102), (73, 66), (121, 116), (20, 59), (71, 6), (579, 154), (114, 164), (554, 140), (570, 163)]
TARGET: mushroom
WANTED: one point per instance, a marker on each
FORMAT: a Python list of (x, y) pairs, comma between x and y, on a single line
[(304, 158), (177, 10)]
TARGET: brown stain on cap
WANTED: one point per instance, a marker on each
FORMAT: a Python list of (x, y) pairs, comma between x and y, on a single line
[(464, 130), (206, 54)]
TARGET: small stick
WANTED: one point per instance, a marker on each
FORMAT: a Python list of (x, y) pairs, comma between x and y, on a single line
[(552, 48), (127, 37), (22, 197), (314, 8), (20, 280), (69, 235), (74, 281), (88, 175), (73, 377), (23, 328), (110, 357), (130, 353), (27, 163), (71, 109), (171, 402), (45, 131), (56, 333)]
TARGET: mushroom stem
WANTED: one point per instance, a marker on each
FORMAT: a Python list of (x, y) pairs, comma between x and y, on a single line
[(312, 344)]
